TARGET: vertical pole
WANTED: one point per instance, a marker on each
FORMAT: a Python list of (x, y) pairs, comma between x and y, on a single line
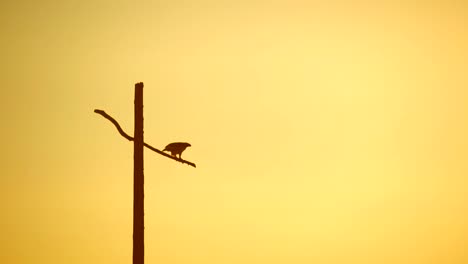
[(138, 180)]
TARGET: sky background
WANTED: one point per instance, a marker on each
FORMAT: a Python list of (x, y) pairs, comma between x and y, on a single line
[(324, 132)]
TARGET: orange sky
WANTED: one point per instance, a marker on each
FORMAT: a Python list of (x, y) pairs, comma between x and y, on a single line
[(323, 131)]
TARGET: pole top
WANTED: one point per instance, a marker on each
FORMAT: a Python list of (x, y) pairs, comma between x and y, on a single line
[(139, 85)]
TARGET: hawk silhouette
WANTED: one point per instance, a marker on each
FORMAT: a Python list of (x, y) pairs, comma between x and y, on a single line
[(177, 148)]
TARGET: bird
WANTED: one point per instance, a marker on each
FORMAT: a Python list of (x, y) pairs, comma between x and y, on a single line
[(177, 148)]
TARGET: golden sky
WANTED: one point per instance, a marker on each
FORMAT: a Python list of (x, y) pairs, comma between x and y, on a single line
[(325, 132)]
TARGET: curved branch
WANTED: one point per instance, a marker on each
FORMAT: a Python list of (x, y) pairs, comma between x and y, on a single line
[(125, 135), (116, 124)]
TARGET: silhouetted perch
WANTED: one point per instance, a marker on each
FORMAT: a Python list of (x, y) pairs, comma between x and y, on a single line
[(138, 180), (125, 135)]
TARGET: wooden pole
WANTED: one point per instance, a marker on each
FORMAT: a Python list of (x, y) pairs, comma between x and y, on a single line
[(138, 181), (138, 175)]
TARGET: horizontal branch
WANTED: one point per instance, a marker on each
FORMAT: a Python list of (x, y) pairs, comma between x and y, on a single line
[(125, 135)]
